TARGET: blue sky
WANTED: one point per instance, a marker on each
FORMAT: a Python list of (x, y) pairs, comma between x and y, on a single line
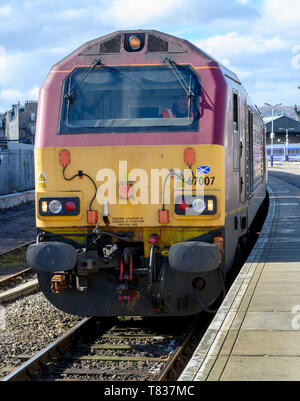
[(258, 39)]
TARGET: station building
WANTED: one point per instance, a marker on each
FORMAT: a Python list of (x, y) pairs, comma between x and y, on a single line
[(280, 126)]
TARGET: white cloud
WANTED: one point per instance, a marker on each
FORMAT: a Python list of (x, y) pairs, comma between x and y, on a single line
[(33, 93), (233, 43), (281, 15), (265, 85), (296, 59), (5, 11), (225, 62), (2, 58), (25, 69), (73, 14), (266, 60), (274, 92), (10, 95), (16, 65), (56, 50), (13, 96), (127, 13)]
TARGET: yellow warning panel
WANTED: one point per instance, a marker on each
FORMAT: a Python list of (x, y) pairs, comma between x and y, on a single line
[(42, 181)]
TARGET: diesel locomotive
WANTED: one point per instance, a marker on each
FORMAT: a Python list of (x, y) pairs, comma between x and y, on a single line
[(150, 167)]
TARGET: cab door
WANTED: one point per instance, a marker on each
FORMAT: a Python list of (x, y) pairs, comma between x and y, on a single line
[(243, 150), (239, 154)]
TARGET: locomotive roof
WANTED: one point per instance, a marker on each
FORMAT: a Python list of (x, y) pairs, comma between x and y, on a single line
[(176, 46)]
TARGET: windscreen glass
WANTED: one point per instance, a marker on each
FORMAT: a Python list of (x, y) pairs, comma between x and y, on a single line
[(127, 99)]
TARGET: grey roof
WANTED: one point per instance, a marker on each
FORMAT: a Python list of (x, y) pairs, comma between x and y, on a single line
[(282, 122), (269, 119)]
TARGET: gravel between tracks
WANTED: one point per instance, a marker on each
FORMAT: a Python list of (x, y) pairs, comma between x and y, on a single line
[(27, 326)]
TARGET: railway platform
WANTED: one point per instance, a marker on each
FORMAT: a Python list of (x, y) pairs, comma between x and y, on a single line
[(15, 199), (255, 334)]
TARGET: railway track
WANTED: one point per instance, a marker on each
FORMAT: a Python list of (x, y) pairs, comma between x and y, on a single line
[(15, 279), (14, 215), (110, 349), (114, 350), (15, 248), (18, 284), (18, 227)]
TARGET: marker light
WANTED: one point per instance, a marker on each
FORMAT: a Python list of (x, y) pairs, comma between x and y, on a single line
[(210, 205), (55, 206), (134, 42), (70, 206), (44, 206)]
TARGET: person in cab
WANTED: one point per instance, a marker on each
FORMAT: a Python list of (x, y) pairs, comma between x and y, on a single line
[(178, 110)]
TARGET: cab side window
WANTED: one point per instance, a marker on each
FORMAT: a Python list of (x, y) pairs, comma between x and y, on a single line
[(235, 135), (235, 112)]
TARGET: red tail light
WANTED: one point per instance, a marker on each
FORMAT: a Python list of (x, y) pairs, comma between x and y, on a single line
[(70, 206), (183, 205)]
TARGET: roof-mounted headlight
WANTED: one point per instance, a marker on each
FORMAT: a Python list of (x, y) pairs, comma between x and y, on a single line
[(134, 42)]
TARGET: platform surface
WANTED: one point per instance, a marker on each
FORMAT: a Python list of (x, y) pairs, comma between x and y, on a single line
[(255, 335)]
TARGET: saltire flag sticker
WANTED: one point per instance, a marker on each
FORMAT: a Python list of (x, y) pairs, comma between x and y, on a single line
[(203, 169)]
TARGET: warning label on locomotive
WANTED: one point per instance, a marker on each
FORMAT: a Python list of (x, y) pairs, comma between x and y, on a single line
[(127, 221), (42, 181)]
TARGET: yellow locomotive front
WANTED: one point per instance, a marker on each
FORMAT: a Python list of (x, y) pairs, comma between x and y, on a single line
[(130, 179)]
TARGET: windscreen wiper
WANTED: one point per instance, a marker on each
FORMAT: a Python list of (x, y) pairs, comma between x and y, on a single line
[(69, 94), (187, 88)]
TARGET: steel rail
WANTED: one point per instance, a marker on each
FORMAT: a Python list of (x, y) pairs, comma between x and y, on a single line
[(24, 372), (17, 247), (35, 364), (179, 356), (19, 291), (4, 281), (16, 214)]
